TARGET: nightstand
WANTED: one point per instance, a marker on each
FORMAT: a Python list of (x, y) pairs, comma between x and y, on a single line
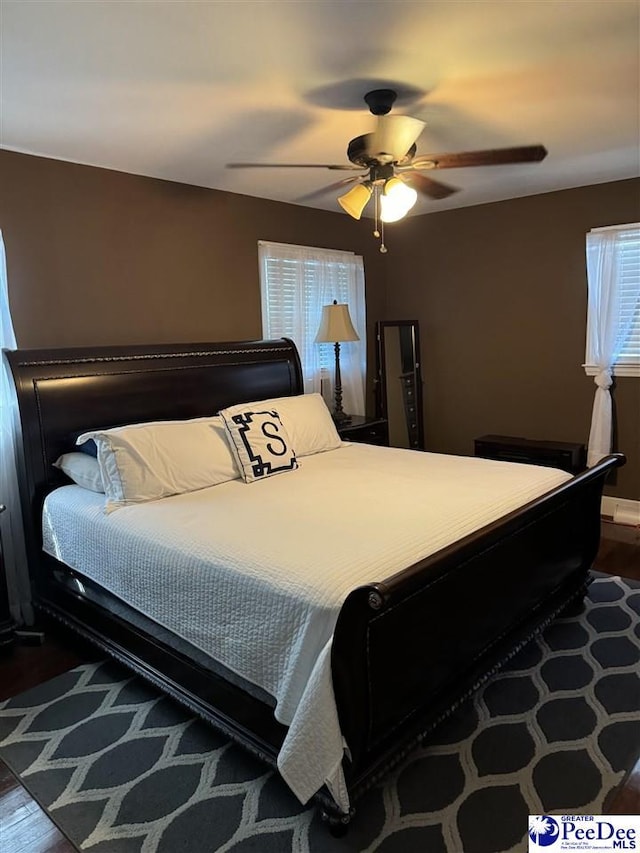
[(365, 430)]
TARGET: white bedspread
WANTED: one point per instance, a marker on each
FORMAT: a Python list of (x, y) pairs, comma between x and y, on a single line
[(255, 574)]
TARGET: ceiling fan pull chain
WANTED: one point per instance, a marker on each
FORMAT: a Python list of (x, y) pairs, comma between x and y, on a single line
[(383, 248), (378, 228), (376, 195)]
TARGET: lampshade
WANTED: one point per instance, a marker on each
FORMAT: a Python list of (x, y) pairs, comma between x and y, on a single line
[(336, 325), (396, 200), (355, 201), (394, 135)]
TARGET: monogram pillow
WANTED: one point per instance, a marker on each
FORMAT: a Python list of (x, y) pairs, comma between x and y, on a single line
[(305, 417), (259, 442)]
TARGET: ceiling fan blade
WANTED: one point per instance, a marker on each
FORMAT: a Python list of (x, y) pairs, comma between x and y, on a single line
[(490, 157), (393, 137), (330, 188), (346, 167), (427, 186)]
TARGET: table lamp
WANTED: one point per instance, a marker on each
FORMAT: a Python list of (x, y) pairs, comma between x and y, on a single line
[(336, 328)]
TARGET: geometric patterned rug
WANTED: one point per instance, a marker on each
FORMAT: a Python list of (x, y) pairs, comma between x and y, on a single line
[(122, 769)]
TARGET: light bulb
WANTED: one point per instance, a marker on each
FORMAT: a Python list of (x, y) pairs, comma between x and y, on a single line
[(396, 200)]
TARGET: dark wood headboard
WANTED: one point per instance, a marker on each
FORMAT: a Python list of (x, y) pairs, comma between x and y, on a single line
[(63, 392)]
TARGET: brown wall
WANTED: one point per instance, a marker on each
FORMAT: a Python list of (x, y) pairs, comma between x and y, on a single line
[(102, 257), (501, 296)]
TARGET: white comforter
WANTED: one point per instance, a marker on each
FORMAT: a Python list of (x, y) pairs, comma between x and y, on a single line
[(255, 574)]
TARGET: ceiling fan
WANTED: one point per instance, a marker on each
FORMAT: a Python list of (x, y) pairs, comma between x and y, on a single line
[(393, 174)]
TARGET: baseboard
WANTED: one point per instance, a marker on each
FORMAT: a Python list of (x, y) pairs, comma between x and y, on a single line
[(621, 510)]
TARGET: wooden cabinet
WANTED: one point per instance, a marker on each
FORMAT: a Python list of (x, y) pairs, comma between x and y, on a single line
[(365, 430), (566, 455), (410, 405)]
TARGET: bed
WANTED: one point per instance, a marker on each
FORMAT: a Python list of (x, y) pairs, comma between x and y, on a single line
[(403, 644)]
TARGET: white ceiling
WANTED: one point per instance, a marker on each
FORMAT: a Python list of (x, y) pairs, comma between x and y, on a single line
[(178, 89)]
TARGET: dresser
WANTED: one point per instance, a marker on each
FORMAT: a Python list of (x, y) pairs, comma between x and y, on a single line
[(365, 430)]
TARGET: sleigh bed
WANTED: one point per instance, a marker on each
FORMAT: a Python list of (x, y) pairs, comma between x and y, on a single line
[(405, 647)]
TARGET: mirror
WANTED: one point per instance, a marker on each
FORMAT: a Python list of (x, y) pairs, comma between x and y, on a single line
[(399, 382)]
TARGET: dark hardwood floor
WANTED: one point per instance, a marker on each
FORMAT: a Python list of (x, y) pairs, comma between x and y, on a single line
[(26, 828), (619, 552)]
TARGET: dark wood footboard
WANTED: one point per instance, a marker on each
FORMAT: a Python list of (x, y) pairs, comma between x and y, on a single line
[(406, 650)]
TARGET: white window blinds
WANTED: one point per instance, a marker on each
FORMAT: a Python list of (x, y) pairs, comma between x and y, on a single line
[(629, 279), (613, 322), (296, 281)]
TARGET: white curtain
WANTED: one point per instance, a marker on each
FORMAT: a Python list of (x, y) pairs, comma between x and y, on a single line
[(13, 547), (608, 327), (296, 282)]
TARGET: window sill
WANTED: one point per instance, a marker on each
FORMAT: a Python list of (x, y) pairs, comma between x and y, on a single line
[(618, 369)]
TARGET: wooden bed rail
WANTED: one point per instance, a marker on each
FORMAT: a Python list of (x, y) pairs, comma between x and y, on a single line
[(383, 593), (404, 669)]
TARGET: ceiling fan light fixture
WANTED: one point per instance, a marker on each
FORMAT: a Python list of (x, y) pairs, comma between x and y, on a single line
[(355, 201), (396, 200), (393, 137)]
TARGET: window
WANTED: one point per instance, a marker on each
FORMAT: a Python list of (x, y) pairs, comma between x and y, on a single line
[(613, 321), (296, 281)]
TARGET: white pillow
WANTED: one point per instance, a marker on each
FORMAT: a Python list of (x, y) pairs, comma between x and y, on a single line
[(144, 462), (260, 443), (82, 469), (306, 419)]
